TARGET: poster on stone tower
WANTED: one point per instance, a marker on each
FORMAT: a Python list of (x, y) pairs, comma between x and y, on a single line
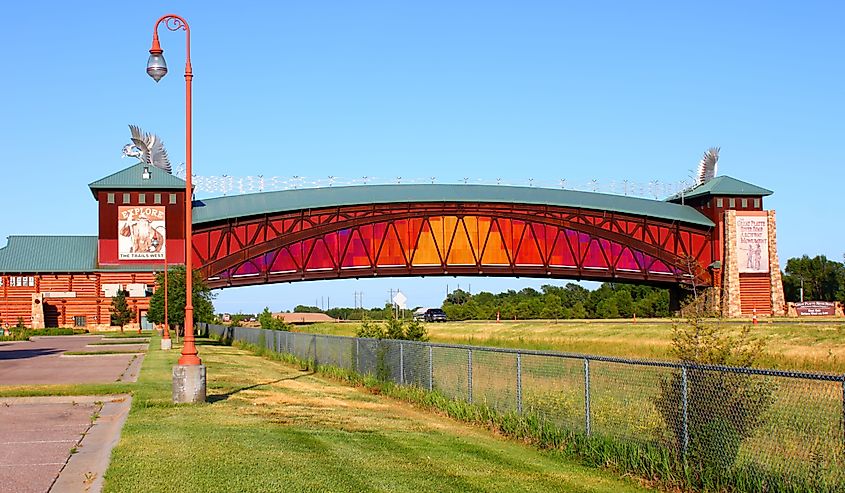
[(141, 233), (752, 238)]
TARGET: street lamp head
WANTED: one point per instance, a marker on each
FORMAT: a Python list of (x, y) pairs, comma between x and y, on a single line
[(156, 66)]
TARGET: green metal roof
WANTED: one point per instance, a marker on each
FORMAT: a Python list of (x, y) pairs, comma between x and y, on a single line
[(256, 204), (131, 178), (723, 185), (49, 254), (59, 254)]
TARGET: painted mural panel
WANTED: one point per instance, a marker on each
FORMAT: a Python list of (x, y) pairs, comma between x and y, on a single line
[(143, 233), (752, 237)]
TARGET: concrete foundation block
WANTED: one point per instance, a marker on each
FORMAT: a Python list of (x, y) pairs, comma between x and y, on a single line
[(188, 384), (166, 344)]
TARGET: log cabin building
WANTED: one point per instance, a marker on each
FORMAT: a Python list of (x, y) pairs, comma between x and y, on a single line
[(69, 281)]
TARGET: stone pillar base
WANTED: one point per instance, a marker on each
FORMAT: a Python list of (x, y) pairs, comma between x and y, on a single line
[(166, 344), (188, 384)]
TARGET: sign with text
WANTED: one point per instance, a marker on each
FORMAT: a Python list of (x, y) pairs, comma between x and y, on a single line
[(142, 233), (752, 243), (815, 308)]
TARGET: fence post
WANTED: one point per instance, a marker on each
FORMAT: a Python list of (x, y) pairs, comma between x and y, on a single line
[(357, 359), (519, 383), (401, 364), (469, 376), (430, 370), (587, 426), (685, 401)]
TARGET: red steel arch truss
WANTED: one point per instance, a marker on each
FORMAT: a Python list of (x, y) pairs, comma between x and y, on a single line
[(419, 239)]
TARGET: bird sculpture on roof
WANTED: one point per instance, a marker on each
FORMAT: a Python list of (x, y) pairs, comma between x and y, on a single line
[(148, 148), (707, 166)]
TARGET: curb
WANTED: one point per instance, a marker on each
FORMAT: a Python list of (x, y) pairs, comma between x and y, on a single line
[(85, 469)]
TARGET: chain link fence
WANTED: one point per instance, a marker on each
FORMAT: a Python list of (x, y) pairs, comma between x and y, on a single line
[(750, 429)]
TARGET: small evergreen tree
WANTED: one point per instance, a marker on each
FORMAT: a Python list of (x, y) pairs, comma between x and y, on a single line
[(121, 312), (370, 330), (416, 331), (395, 329)]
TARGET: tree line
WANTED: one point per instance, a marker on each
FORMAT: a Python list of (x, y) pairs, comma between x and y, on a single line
[(610, 300)]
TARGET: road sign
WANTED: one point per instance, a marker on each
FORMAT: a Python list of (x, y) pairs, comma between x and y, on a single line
[(400, 300)]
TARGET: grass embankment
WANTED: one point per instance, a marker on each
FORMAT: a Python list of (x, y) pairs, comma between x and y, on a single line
[(133, 334), (118, 342), (271, 427), (790, 344), (100, 353)]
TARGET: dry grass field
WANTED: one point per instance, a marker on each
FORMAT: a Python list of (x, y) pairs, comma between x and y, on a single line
[(817, 345)]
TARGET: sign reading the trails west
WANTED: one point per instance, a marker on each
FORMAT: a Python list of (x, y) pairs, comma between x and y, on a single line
[(752, 238), (142, 233), (815, 308)]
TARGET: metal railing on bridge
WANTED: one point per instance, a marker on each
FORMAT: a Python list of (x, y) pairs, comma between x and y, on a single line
[(772, 430)]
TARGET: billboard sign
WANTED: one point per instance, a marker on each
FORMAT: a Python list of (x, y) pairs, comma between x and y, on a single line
[(815, 308), (752, 236), (142, 233)]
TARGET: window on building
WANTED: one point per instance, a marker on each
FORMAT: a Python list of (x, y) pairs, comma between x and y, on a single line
[(172, 198), (756, 203), (110, 198), (157, 198), (720, 202), (79, 322), (142, 198), (744, 203), (732, 203), (125, 198)]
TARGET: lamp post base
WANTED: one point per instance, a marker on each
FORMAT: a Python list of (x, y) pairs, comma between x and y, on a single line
[(166, 344), (188, 384)]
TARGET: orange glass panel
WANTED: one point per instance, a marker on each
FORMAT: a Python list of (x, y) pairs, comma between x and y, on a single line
[(562, 255), (426, 252), (483, 225), (517, 228), (528, 253), (356, 252), (495, 252), (460, 251), (391, 249)]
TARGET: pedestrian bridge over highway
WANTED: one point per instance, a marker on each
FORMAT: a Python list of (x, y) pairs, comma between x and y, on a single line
[(440, 230)]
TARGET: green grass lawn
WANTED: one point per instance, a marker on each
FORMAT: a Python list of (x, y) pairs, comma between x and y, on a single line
[(271, 427), (793, 345)]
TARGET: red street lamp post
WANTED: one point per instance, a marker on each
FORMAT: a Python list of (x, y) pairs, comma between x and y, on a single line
[(157, 68)]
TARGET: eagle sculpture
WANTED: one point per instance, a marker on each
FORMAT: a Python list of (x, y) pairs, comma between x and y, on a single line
[(147, 147), (707, 166)]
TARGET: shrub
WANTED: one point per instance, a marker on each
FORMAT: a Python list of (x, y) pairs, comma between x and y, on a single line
[(723, 408)]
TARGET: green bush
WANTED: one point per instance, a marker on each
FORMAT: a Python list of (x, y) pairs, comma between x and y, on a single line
[(723, 408)]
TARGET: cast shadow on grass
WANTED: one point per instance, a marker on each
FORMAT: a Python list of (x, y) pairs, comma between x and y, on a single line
[(211, 399)]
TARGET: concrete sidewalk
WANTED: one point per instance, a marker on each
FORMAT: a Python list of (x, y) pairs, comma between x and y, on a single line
[(60, 444)]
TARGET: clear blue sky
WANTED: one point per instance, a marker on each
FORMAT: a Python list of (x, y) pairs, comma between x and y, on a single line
[(605, 90)]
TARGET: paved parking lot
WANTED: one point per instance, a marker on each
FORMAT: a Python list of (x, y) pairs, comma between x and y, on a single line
[(60, 443), (39, 362)]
